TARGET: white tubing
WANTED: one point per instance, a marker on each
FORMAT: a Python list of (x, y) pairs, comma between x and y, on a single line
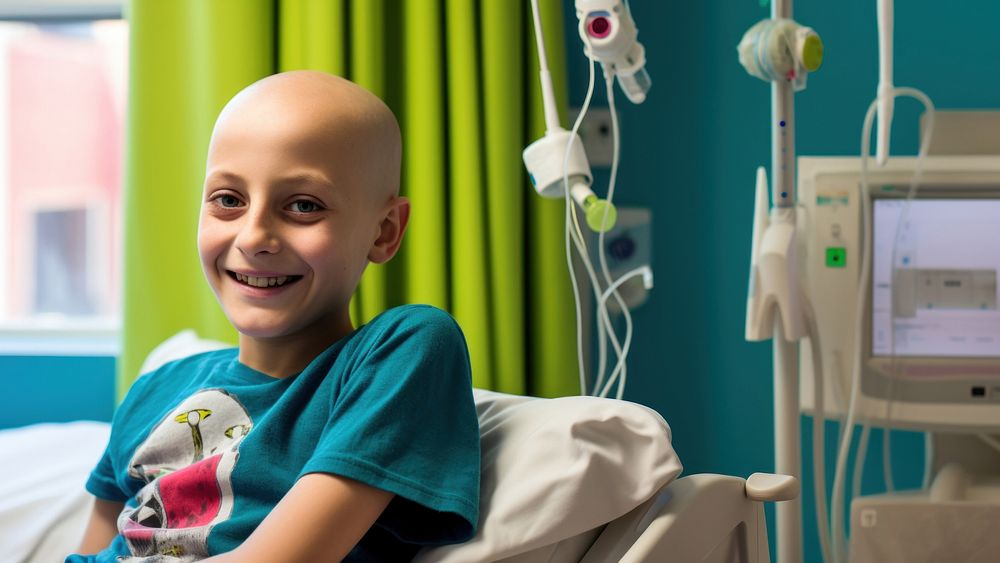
[(859, 460), (621, 368), (569, 253), (573, 232), (990, 441), (838, 537)]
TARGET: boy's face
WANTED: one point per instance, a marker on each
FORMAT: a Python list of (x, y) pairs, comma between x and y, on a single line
[(285, 228)]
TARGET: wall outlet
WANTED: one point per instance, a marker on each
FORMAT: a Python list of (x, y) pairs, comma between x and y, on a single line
[(595, 131), (627, 246)]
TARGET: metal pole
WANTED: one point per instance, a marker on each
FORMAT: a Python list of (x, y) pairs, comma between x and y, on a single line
[(787, 434), (787, 443)]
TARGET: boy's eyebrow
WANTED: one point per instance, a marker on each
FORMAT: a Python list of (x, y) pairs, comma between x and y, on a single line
[(290, 180), (306, 178), (227, 176)]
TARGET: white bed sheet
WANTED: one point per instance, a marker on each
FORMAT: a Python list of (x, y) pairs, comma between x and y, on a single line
[(43, 504)]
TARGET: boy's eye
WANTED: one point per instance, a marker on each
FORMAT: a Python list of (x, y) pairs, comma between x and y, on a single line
[(304, 206), (228, 201)]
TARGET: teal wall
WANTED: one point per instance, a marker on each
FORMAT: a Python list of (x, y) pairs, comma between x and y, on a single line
[(37, 389), (689, 153)]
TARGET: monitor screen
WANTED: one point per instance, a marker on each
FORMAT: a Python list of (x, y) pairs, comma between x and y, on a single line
[(946, 256)]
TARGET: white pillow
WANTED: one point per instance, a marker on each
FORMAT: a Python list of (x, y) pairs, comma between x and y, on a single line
[(181, 345), (555, 468)]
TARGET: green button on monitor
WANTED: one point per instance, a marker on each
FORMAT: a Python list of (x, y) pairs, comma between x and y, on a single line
[(836, 257)]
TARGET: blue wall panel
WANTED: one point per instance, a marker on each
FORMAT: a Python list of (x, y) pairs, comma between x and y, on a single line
[(55, 389)]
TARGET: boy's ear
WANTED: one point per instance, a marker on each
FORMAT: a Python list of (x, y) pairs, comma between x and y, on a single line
[(390, 232)]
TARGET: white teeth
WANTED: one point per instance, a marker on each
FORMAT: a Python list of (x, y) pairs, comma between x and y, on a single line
[(261, 281)]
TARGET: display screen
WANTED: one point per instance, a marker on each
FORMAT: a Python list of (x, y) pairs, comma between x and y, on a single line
[(935, 268)]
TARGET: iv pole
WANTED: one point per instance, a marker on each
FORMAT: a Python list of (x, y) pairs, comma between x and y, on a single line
[(787, 430), (774, 305)]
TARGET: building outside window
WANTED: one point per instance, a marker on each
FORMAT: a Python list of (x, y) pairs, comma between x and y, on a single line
[(62, 113)]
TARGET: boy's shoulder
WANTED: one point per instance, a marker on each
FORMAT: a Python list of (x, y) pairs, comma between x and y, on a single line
[(413, 320), (416, 313)]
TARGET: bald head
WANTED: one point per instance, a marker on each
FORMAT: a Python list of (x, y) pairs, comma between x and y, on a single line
[(325, 115)]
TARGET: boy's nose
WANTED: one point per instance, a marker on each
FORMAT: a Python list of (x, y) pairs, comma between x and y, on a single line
[(257, 234)]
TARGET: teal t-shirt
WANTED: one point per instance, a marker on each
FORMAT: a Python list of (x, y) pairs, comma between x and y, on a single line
[(203, 448)]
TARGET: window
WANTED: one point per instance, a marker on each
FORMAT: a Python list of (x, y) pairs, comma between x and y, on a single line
[(62, 113)]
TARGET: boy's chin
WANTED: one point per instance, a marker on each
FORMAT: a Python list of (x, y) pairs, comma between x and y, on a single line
[(260, 334), (262, 331)]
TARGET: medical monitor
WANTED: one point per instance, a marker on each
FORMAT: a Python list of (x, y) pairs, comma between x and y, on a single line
[(930, 322), (934, 278)]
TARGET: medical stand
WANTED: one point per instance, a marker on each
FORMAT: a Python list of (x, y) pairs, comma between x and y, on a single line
[(774, 306)]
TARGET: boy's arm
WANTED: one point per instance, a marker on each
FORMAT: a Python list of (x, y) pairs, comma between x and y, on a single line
[(102, 528), (321, 518)]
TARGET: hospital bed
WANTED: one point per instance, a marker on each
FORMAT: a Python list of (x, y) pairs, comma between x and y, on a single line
[(568, 480)]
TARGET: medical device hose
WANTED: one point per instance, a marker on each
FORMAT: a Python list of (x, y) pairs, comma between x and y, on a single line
[(838, 500), (573, 231), (604, 325), (621, 368)]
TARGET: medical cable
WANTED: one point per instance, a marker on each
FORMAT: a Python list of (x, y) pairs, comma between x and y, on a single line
[(605, 326), (890, 485), (572, 226), (838, 500), (577, 298), (622, 366), (859, 460), (576, 235), (602, 344), (903, 220), (887, 473), (928, 459), (647, 280), (990, 441), (552, 124)]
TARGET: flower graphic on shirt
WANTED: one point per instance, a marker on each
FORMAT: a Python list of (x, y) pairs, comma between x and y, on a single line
[(187, 463)]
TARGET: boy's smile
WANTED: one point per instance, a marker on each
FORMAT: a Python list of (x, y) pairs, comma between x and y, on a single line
[(263, 279), (293, 209)]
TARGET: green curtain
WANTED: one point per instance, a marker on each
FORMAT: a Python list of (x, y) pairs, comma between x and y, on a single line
[(461, 76)]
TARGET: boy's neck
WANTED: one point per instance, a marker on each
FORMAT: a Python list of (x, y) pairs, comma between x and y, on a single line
[(283, 356)]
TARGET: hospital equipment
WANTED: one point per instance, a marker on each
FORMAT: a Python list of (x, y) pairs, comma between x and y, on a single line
[(782, 52), (609, 34), (899, 358), (569, 480), (557, 166), (926, 336)]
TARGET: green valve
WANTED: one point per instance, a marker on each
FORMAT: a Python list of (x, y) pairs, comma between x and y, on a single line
[(836, 257), (812, 53)]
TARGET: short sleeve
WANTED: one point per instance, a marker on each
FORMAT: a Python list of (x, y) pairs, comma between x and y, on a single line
[(103, 482), (404, 421)]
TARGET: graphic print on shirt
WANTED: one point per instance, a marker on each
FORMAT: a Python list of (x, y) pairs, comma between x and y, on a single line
[(187, 464)]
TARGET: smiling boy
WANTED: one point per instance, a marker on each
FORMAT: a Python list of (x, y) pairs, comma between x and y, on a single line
[(313, 440)]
